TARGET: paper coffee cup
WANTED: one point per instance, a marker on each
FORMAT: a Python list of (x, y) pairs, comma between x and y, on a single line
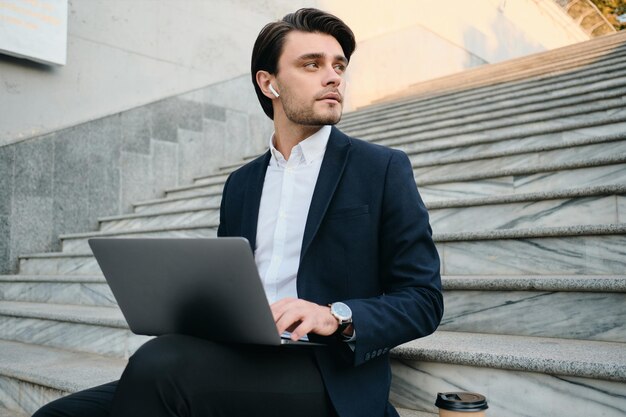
[(461, 404)]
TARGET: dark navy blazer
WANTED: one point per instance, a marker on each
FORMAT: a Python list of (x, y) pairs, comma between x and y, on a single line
[(367, 242)]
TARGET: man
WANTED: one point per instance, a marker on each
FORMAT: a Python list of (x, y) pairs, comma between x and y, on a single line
[(343, 246)]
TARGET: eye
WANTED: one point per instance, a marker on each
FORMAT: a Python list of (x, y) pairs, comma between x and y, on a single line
[(310, 65), (340, 68)]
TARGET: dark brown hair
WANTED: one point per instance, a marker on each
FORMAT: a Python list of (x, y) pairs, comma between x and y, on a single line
[(269, 43)]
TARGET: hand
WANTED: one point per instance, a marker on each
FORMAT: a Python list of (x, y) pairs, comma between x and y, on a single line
[(301, 317)]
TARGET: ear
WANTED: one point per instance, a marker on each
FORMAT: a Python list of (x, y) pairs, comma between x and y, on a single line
[(264, 79)]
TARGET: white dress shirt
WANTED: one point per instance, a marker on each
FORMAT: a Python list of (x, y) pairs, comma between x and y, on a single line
[(285, 201)]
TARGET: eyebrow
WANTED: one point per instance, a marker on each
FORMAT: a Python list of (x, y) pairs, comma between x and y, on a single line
[(319, 55)]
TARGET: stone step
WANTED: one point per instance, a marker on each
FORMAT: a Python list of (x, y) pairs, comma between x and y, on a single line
[(231, 167), (573, 207), (519, 375), (546, 283), (529, 179), (600, 112), (605, 69), (426, 118), (434, 154), (216, 178), (437, 152), (569, 133), (201, 199), (406, 412), (590, 249), (5, 412), (563, 208), (566, 155), (32, 375), (59, 263), (568, 307), (193, 189), (92, 329), (587, 250), (57, 289), (162, 218), (549, 64), (77, 242), (234, 165)]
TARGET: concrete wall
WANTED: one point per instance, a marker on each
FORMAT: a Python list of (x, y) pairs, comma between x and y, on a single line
[(404, 42), (63, 181), (122, 54)]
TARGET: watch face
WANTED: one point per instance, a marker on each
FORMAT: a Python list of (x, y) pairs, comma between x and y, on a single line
[(342, 311)]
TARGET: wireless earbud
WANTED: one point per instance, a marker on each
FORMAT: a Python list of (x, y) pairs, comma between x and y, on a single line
[(274, 91)]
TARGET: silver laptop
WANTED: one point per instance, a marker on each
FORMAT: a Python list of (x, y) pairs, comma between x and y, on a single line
[(208, 288)]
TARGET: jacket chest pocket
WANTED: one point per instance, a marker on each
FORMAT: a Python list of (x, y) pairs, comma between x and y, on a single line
[(346, 212)]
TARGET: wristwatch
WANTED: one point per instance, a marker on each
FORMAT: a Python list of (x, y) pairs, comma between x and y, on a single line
[(343, 314)]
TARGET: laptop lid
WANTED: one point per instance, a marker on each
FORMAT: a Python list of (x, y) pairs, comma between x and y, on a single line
[(208, 288)]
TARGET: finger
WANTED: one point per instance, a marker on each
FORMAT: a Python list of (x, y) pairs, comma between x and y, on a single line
[(279, 307), (304, 328), (288, 321)]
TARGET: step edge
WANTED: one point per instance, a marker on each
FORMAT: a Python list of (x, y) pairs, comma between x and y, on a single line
[(550, 283), (530, 354), (526, 170), (155, 214), (537, 232), (568, 193), (105, 233)]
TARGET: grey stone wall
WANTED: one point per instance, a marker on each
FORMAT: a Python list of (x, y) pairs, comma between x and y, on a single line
[(63, 181)]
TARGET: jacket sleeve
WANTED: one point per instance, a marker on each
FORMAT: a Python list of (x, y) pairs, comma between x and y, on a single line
[(411, 305)]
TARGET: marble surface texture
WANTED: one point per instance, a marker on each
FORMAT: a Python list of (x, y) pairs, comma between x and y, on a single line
[(529, 214), (545, 283), (547, 120), (573, 315), (479, 131), (550, 255), (604, 124), (33, 375), (514, 184), (84, 293), (210, 199), (436, 154), (64, 265), (103, 340), (425, 116), (195, 190), (80, 244), (566, 155), (509, 393), (25, 397), (217, 178), (188, 218)]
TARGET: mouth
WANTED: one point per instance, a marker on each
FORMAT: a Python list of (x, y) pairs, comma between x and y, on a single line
[(332, 97)]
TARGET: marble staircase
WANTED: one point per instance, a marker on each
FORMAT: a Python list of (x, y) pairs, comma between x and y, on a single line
[(523, 168)]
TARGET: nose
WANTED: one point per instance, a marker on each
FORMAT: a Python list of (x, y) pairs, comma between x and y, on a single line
[(331, 77)]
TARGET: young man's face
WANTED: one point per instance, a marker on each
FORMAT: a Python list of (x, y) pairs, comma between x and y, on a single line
[(310, 78)]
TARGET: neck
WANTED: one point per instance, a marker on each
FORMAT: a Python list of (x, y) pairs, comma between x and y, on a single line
[(288, 135)]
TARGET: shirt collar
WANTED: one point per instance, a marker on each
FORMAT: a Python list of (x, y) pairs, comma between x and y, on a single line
[(309, 150)]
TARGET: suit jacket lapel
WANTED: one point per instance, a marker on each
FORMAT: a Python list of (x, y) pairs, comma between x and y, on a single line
[(252, 201), (333, 164)]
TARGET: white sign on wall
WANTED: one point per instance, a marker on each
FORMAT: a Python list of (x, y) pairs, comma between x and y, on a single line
[(34, 29)]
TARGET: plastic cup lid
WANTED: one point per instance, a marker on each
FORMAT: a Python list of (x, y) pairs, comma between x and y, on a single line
[(461, 401)]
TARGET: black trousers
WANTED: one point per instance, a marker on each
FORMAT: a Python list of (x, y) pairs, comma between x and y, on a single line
[(180, 376)]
